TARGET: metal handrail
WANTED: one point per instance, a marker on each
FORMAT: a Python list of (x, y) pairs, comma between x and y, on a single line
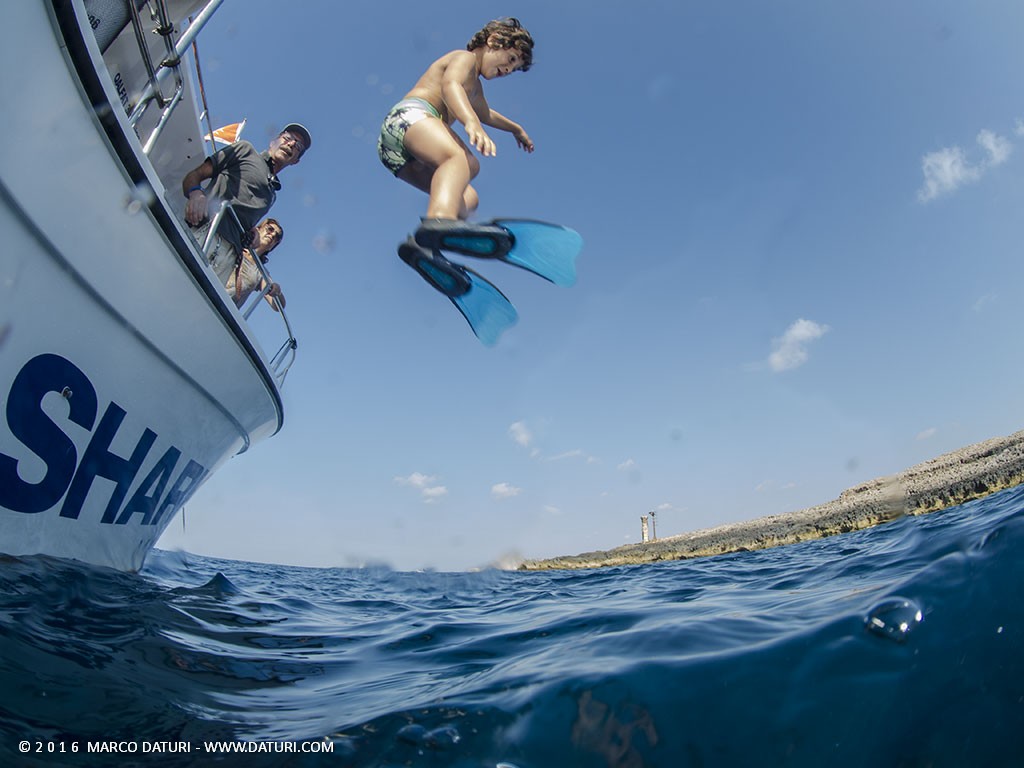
[(165, 29), (285, 356), (287, 350), (172, 64)]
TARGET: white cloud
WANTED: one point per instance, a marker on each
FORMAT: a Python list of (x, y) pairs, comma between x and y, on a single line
[(927, 434), (429, 492), (1020, 127), (984, 302), (944, 172), (574, 453), (433, 494), (791, 349), (626, 465), (416, 480), (948, 169), (505, 491), (997, 147), (520, 434)]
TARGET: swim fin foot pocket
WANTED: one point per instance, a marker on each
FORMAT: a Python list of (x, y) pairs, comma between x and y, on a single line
[(450, 279), (481, 240)]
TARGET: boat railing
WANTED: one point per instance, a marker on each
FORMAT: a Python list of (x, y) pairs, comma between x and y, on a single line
[(164, 87), (166, 69), (282, 360)]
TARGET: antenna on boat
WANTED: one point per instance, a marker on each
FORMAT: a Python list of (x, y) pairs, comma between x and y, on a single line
[(202, 87)]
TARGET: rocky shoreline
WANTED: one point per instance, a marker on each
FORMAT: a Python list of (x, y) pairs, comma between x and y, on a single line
[(950, 479)]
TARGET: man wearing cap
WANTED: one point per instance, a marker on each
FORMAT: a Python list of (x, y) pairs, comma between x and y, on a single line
[(246, 179)]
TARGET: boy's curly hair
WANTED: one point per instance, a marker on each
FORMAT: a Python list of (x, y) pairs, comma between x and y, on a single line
[(507, 33)]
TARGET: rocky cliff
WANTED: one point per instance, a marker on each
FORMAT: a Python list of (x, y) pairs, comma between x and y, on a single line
[(946, 481)]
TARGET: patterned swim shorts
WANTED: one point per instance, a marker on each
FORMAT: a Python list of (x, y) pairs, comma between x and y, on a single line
[(391, 144)]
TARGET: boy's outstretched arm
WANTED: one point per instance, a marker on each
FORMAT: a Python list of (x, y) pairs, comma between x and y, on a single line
[(461, 70), (497, 120)]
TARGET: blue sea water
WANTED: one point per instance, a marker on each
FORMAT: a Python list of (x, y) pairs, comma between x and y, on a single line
[(896, 646)]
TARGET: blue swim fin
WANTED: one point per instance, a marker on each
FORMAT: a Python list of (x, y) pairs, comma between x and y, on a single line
[(547, 250), (486, 309), (486, 241)]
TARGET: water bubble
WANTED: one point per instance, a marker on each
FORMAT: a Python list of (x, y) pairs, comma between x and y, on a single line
[(894, 618), (324, 243), (346, 746), (443, 737), (142, 196), (412, 734), (660, 88)]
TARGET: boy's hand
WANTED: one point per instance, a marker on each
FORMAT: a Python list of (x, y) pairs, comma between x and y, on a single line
[(478, 138), (523, 140)]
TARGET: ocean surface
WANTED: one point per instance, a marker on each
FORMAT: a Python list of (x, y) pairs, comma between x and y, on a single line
[(902, 645)]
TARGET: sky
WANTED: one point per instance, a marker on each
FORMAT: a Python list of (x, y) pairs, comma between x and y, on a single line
[(802, 270)]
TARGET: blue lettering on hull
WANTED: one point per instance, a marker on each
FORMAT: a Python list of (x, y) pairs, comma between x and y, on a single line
[(70, 477)]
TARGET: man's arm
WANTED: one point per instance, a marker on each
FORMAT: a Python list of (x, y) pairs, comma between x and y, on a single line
[(196, 210)]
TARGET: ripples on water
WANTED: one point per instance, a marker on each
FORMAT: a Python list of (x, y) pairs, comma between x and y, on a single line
[(897, 646)]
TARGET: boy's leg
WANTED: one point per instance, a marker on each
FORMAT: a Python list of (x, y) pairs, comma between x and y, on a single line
[(420, 176), (436, 145)]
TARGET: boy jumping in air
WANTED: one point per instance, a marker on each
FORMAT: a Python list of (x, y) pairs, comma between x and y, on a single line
[(417, 143)]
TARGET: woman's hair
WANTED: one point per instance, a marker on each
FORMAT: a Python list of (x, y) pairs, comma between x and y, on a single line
[(506, 33)]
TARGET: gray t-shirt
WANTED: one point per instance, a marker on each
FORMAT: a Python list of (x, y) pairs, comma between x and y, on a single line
[(244, 178)]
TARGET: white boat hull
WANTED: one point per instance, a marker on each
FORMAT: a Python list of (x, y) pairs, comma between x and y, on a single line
[(126, 376)]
